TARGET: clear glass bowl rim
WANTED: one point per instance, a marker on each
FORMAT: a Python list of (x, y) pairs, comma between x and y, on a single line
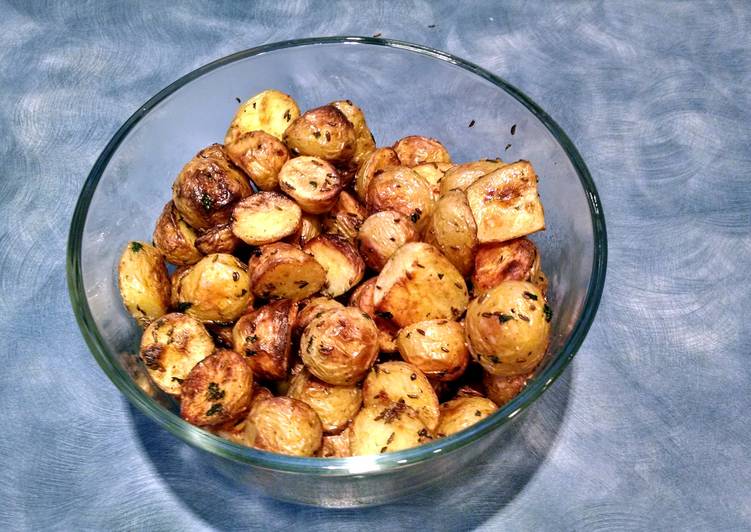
[(331, 466)]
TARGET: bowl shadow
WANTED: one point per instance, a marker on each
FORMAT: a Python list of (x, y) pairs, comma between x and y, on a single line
[(463, 501)]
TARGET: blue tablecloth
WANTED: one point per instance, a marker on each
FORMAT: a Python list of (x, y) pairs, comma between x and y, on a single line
[(648, 429)]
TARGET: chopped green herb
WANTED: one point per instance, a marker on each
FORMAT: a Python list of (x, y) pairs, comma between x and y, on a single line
[(135, 247), (548, 312), (214, 392), (206, 201), (215, 409), (530, 295)]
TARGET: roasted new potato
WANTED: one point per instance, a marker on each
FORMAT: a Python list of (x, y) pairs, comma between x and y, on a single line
[(216, 288), (343, 265), (312, 308), (505, 203), (400, 189), (364, 141), (463, 412), (323, 132), (265, 217), (260, 155), (171, 346), (436, 347), (381, 234), (382, 428), (501, 389), (507, 328), (462, 175), (283, 271), (433, 173), (217, 390), (452, 229), (218, 239), (515, 260), (346, 217), (264, 337), (418, 283), (286, 426), (144, 282), (207, 188), (175, 238), (221, 333), (241, 430), (340, 346), (335, 405), (312, 182), (415, 149), (336, 445), (378, 161), (270, 111), (310, 227), (362, 298)]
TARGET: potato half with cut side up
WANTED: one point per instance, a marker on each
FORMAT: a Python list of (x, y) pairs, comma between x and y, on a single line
[(462, 175), (400, 189), (381, 234), (452, 229), (346, 217), (260, 155), (218, 239), (501, 389), (284, 271), (313, 308), (515, 260), (312, 182), (416, 149), (362, 298), (364, 141), (144, 282), (171, 346), (463, 412), (270, 111), (287, 426), (336, 445), (265, 217), (335, 405), (382, 428), (436, 347), (175, 238), (343, 265), (378, 161), (322, 132)]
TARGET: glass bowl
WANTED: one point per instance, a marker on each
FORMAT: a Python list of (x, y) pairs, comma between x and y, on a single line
[(403, 89)]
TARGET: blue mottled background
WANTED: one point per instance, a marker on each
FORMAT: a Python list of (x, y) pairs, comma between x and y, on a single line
[(648, 429)]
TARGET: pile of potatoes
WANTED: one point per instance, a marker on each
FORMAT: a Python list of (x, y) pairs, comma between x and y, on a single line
[(332, 298)]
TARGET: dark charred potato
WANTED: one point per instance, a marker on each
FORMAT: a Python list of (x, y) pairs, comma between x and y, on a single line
[(414, 150), (378, 161), (312, 182), (515, 260), (323, 132), (310, 227), (452, 229), (260, 155), (400, 189), (311, 309), (144, 282), (218, 239), (270, 111), (461, 176), (346, 217), (362, 298), (381, 234), (463, 412), (436, 347), (265, 217), (175, 238), (342, 263), (501, 389), (383, 428), (286, 426), (283, 271), (335, 405), (364, 141)]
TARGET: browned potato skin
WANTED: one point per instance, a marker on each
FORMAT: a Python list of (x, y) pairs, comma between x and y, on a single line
[(221, 333), (400, 189), (340, 346), (144, 282), (463, 412), (335, 405), (270, 111), (515, 260), (286, 426), (346, 217), (208, 187), (336, 445), (343, 265), (501, 389), (364, 141), (260, 155), (462, 175), (171, 346), (452, 229), (382, 428), (436, 347), (378, 161), (217, 390), (265, 217), (415, 149), (216, 288), (433, 173), (175, 238), (322, 132), (218, 239), (381, 234), (313, 308), (240, 430), (178, 274), (362, 298), (312, 182), (283, 271), (310, 227), (264, 337), (506, 328)]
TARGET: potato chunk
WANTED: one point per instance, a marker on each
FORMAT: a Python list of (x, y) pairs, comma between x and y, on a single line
[(381, 234), (240, 430), (463, 412), (383, 428), (362, 298), (433, 173), (312, 182), (436, 347), (260, 155), (346, 217), (265, 217), (378, 161), (400, 189), (270, 111), (283, 271), (286, 426), (364, 141), (335, 405), (343, 265), (515, 260), (462, 175), (415, 149), (218, 239), (501, 389), (144, 282), (336, 445), (452, 229), (264, 337), (322, 132), (310, 227), (175, 238)]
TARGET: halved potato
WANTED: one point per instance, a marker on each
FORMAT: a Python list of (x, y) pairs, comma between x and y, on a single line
[(260, 155), (171, 346), (265, 217), (463, 412), (364, 141), (416, 149), (310, 227), (241, 430), (343, 265), (515, 260), (346, 217), (362, 298), (322, 132), (218, 239), (312, 308), (436, 347), (505, 203), (462, 175), (400, 189), (383, 428), (452, 229), (336, 445), (501, 389), (335, 405), (283, 271), (378, 161), (312, 182), (381, 234), (175, 238), (144, 282), (418, 283), (264, 337), (286, 426), (270, 111), (217, 390)]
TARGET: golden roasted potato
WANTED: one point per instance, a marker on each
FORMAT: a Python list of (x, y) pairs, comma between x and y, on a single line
[(364, 141), (270, 111), (311, 309), (343, 265), (283, 271), (312, 182), (286, 426), (381, 234), (265, 217), (310, 227), (462, 175), (436, 347), (208, 187), (335, 405), (346, 217), (507, 328), (323, 132), (378, 161), (362, 298), (400, 189), (418, 283), (264, 337), (218, 239), (241, 430), (393, 382), (144, 282), (175, 238), (260, 156), (336, 445), (463, 412), (383, 428), (221, 333), (452, 229), (433, 173), (216, 288), (515, 260), (505, 203), (171, 346), (340, 346), (501, 389), (415, 149), (217, 390)]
